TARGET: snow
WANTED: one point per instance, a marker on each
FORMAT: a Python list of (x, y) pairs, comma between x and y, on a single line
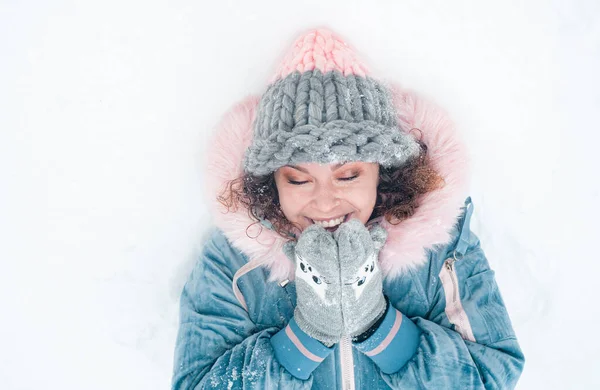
[(106, 109)]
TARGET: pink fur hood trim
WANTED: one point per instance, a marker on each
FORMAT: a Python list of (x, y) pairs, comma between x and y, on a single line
[(406, 244)]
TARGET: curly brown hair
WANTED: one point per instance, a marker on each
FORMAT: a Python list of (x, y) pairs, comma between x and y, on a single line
[(398, 193)]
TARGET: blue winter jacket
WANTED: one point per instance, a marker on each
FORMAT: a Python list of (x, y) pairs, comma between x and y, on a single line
[(446, 328)]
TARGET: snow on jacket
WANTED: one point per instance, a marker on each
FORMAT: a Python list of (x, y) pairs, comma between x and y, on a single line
[(446, 327)]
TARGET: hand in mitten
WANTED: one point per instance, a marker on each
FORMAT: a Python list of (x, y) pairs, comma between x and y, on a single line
[(363, 302), (318, 308)]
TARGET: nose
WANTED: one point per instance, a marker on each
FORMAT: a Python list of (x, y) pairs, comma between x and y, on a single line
[(325, 199)]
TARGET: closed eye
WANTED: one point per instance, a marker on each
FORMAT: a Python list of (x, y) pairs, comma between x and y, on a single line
[(348, 178), (297, 183)]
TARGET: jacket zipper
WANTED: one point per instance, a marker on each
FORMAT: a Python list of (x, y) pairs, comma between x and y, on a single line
[(450, 267), (460, 320), (347, 363), (454, 278)]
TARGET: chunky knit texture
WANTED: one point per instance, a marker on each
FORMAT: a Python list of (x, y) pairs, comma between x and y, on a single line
[(323, 111)]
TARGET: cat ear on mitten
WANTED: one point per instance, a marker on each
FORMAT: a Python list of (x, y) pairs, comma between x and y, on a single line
[(378, 235)]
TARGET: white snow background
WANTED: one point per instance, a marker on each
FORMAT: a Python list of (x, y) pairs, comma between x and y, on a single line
[(105, 111)]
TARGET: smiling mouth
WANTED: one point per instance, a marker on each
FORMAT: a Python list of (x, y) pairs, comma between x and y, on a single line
[(332, 225)]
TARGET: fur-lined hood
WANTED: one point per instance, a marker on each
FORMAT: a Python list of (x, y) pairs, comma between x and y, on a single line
[(431, 223)]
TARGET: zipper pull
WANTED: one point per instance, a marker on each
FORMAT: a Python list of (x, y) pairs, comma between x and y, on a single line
[(451, 260), (284, 283)]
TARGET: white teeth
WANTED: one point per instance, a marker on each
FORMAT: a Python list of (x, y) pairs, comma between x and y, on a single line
[(331, 222)]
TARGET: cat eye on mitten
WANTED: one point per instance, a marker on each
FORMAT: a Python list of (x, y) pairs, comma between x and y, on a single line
[(318, 308)]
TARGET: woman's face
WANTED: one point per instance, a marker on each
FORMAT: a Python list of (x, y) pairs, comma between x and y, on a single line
[(328, 194)]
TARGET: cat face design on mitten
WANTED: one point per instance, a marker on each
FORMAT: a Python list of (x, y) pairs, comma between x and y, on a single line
[(363, 275), (319, 283)]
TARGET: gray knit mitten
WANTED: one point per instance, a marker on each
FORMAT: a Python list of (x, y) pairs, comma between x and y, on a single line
[(363, 302), (318, 308)]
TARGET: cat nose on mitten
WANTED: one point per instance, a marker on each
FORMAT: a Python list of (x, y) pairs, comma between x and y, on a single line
[(363, 302), (318, 309)]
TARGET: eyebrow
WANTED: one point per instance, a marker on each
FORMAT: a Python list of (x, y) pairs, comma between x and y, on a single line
[(333, 168)]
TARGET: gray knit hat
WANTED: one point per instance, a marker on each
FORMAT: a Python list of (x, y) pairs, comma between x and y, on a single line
[(321, 106)]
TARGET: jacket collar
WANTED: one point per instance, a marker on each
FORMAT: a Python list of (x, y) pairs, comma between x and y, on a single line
[(407, 242)]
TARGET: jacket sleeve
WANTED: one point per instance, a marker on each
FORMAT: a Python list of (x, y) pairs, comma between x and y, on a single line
[(466, 340), (218, 345)]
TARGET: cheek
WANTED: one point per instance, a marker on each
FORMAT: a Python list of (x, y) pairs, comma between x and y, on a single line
[(363, 198), (367, 199), (291, 202)]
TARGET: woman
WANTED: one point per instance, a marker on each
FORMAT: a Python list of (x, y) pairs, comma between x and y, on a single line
[(351, 194)]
